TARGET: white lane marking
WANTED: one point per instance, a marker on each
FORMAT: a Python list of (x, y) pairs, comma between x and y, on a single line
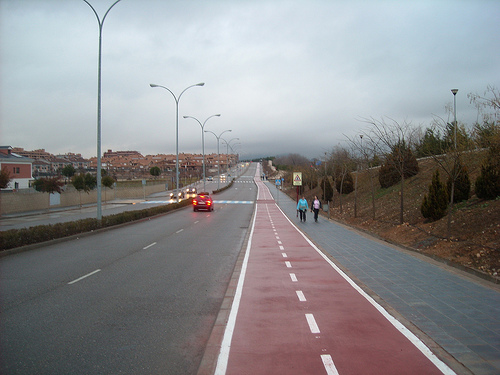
[(282, 248), (300, 294), (284, 255), (329, 365), (293, 277), (280, 243), (312, 323), (231, 322), (396, 323), (179, 231), (288, 264), (277, 237), (197, 221), (83, 277), (147, 247)]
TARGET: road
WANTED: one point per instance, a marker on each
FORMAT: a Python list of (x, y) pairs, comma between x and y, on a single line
[(139, 299), (65, 214)]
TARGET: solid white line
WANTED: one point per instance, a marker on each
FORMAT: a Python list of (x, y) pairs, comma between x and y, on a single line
[(312, 323), (329, 365), (288, 264), (231, 322), (83, 277), (300, 294), (147, 247), (284, 255), (293, 277), (179, 231)]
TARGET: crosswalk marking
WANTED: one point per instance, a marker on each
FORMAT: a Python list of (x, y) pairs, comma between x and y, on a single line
[(219, 202)]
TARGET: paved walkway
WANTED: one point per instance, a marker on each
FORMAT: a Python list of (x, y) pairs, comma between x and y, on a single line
[(458, 312)]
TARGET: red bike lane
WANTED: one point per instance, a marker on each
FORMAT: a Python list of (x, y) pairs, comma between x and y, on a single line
[(295, 312)]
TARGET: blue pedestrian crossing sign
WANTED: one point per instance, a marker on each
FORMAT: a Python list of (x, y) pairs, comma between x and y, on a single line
[(297, 178)]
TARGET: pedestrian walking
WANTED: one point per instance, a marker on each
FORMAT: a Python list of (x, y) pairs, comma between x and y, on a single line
[(315, 206), (302, 207)]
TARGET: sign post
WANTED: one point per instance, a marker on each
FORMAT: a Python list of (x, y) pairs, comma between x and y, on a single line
[(297, 181)]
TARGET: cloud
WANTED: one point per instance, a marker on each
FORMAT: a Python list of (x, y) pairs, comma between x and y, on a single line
[(286, 76)]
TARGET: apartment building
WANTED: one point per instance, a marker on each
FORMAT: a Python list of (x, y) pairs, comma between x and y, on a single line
[(19, 168)]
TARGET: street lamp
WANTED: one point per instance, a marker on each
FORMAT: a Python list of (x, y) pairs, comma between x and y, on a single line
[(227, 150), (99, 190), (203, 141), (218, 153), (176, 131), (454, 91)]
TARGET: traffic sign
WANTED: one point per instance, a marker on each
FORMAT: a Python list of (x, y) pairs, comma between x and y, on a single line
[(297, 178)]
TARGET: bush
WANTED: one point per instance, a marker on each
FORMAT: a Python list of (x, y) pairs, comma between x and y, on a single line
[(462, 183), (347, 184), (388, 176), (488, 182), (435, 203), (390, 172)]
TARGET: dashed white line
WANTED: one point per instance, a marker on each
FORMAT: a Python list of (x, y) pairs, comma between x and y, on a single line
[(279, 242), (147, 247), (288, 264), (312, 323), (300, 294), (282, 247), (179, 231), (293, 277), (83, 277), (329, 365), (284, 255)]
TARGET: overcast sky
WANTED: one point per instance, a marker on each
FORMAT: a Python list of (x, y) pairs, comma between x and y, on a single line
[(287, 76)]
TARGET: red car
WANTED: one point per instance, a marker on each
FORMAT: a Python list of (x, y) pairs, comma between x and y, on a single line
[(203, 201)]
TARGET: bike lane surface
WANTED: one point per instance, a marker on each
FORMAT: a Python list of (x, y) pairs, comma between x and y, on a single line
[(295, 312)]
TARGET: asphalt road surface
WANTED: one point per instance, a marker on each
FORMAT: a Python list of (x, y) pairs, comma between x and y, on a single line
[(139, 299)]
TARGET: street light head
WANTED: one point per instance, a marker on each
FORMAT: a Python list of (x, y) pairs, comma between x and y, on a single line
[(153, 85), (218, 115), (454, 91), (200, 84)]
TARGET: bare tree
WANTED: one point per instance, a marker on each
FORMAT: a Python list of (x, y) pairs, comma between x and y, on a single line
[(394, 140), (342, 163)]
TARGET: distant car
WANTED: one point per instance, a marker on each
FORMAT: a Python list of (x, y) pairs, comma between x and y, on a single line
[(180, 194), (210, 178), (190, 192), (203, 201)]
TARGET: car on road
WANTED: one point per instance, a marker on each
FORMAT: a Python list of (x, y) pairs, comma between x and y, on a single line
[(203, 201), (180, 194), (190, 192), (210, 178)]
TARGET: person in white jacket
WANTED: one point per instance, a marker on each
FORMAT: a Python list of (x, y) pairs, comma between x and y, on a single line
[(315, 206)]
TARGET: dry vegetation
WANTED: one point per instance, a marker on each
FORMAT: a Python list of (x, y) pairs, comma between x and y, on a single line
[(474, 240)]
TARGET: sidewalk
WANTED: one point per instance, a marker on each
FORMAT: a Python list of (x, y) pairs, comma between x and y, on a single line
[(457, 311)]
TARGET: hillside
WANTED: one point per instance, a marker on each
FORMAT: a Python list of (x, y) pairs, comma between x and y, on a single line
[(475, 229)]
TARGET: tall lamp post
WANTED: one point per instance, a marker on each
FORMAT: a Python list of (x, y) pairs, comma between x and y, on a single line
[(203, 142), (454, 91), (99, 190), (227, 150), (218, 153), (176, 131)]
